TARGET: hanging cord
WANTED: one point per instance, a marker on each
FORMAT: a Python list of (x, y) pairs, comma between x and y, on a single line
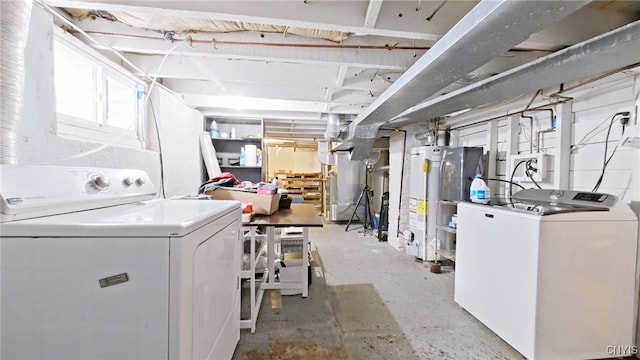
[(513, 173), (507, 182), (155, 121), (606, 149)]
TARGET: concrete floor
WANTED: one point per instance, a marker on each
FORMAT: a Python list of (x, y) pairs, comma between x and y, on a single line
[(368, 301)]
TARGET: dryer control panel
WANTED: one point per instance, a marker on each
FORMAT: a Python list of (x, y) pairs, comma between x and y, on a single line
[(28, 191)]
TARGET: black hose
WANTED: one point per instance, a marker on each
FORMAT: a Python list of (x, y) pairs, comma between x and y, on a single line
[(404, 149), (508, 182), (511, 180), (528, 171)]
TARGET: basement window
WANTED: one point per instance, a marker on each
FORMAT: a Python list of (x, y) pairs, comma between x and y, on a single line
[(96, 100)]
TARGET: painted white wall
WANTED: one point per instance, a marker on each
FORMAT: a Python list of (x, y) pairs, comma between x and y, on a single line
[(592, 105), (39, 144)]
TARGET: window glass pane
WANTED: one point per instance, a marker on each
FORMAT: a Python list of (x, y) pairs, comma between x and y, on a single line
[(122, 104), (75, 83)]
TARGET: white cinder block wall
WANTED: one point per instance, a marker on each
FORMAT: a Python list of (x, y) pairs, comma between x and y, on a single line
[(591, 108), (591, 105), (39, 144)]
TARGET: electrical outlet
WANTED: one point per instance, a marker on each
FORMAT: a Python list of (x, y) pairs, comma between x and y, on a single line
[(630, 141), (538, 161)]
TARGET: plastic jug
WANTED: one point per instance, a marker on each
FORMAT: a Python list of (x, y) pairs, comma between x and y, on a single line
[(214, 132), (243, 159), (480, 192)]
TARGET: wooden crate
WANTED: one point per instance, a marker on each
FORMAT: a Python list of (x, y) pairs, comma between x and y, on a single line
[(309, 186)]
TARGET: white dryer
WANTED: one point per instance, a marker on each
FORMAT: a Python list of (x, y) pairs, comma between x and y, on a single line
[(94, 268), (553, 273)]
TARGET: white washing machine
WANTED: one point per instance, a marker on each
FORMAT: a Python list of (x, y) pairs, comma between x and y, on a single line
[(553, 274), (94, 268)]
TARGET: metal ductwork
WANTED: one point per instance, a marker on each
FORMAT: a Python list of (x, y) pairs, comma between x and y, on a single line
[(14, 30), (613, 50), (333, 127), (324, 155), (490, 29)]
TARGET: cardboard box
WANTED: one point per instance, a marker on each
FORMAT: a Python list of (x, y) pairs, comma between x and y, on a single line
[(262, 204)]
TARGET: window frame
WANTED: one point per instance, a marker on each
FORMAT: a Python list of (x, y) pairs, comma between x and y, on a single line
[(100, 131)]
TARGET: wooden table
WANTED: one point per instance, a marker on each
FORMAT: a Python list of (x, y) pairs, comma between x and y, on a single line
[(299, 215)]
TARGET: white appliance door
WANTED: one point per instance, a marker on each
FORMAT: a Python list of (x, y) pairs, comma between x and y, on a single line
[(495, 277), (216, 289), (84, 298), (204, 320)]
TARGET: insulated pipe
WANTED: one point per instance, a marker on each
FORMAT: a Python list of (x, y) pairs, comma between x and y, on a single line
[(14, 29)]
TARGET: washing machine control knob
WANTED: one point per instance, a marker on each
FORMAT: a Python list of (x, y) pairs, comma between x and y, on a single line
[(128, 181), (100, 182), (141, 181), (556, 194)]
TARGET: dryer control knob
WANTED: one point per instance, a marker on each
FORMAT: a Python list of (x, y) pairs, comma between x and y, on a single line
[(100, 182), (128, 181), (140, 181)]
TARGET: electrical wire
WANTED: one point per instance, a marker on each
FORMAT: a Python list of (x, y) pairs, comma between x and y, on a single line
[(587, 136), (507, 181), (606, 148), (155, 121)]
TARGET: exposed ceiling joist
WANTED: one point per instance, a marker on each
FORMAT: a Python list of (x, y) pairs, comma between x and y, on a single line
[(239, 102), (279, 65), (378, 58), (373, 10), (311, 15), (476, 39)]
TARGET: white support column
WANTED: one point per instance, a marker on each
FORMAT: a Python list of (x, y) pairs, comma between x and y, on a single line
[(562, 152), (492, 148), (513, 132)]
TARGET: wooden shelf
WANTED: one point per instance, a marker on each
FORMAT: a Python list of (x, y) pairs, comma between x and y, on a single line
[(219, 139), (448, 254), (240, 167), (447, 229)]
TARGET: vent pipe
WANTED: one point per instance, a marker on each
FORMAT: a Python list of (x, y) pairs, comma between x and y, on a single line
[(333, 127), (14, 30)]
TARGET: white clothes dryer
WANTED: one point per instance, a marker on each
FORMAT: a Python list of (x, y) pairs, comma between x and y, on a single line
[(94, 268)]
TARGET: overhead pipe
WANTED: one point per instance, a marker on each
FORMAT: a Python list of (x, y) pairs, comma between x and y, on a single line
[(14, 30)]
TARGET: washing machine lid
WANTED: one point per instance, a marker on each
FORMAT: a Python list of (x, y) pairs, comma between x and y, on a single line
[(153, 218)]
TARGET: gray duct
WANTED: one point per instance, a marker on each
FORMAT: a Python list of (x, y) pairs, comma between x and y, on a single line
[(14, 29), (324, 156), (333, 127)]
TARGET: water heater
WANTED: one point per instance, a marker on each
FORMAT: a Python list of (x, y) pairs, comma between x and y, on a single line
[(424, 194)]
